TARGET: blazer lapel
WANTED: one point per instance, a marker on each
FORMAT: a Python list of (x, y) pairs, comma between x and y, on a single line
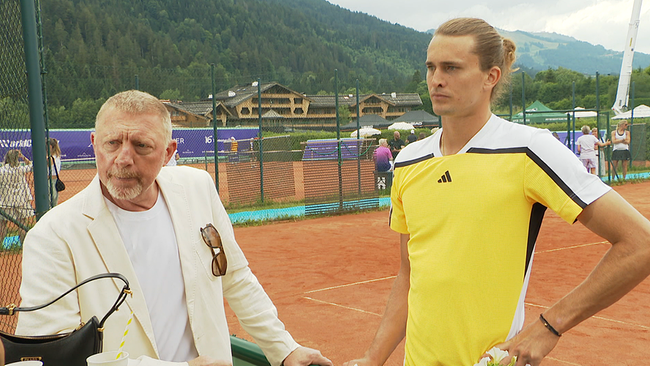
[(108, 241)]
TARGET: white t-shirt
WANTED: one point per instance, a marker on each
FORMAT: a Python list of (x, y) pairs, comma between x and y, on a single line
[(150, 241), (587, 145), (621, 145), (57, 163)]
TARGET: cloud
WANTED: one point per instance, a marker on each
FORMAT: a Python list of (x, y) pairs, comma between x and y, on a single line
[(603, 22)]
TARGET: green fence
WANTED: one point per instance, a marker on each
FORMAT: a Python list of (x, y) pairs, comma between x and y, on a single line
[(16, 179)]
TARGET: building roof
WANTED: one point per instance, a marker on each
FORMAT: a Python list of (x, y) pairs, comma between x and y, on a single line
[(237, 94), (320, 101), (230, 98), (395, 99), (418, 116), (196, 108), (272, 114), (373, 120)]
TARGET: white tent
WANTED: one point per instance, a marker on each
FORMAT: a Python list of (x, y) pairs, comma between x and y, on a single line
[(642, 111), (583, 114), (366, 131), (400, 126)]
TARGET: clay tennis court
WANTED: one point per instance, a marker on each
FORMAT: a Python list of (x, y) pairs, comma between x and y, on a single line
[(330, 279)]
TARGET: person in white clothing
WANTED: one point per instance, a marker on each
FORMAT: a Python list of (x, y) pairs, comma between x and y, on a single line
[(55, 168), (587, 148), (165, 230), (600, 157), (15, 193), (621, 151)]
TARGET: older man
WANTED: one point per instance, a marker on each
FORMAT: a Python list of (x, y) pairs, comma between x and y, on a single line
[(166, 230)]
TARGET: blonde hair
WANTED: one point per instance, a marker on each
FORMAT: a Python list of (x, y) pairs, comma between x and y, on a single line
[(383, 142), (490, 47), (11, 158), (138, 102), (55, 149)]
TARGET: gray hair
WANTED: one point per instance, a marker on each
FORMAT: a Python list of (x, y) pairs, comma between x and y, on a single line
[(138, 102)]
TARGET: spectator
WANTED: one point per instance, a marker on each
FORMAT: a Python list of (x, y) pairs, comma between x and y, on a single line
[(422, 136), (396, 144), (383, 157), (168, 233), (234, 145), (412, 137), (15, 193), (587, 146), (621, 151), (599, 156), (55, 167)]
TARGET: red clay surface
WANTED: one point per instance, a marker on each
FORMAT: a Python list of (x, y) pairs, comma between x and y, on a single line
[(330, 279)]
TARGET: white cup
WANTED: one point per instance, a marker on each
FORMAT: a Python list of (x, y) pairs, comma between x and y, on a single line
[(26, 363), (108, 359)]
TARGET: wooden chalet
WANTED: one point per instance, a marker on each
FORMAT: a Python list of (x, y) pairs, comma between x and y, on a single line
[(283, 107)]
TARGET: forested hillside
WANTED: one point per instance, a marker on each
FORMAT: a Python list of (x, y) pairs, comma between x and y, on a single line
[(96, 46)]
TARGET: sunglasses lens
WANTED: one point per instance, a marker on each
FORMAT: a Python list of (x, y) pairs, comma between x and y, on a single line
[(220, 262), (213, 240)]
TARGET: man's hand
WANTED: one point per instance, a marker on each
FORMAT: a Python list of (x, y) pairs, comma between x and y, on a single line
[(207, 361), (303, 356), (530, 346)]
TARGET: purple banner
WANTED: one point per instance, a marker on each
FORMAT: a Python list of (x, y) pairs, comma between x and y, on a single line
[(75, 144), (327, 149), (574, 137), (194, 143)]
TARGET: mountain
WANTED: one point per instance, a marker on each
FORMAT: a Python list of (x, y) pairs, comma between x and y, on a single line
[(542, 50), (94, 48)]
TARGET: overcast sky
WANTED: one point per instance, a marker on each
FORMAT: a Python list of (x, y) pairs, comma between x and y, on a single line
[(603, 22)]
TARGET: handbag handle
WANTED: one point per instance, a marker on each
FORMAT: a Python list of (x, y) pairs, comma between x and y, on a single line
[(57, 177), (126, 290)]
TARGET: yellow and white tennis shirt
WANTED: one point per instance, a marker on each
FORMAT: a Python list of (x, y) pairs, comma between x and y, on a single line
[(473, 219)]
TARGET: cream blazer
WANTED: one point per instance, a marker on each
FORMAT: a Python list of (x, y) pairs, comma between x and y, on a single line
[(79, 238)]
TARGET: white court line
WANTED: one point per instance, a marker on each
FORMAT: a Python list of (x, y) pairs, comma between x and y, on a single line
[(350, 284), (572, 247), (558, 360), (600, 318), (341, 306)]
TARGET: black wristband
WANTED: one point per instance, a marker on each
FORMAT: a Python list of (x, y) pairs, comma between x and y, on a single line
[(549, 326)]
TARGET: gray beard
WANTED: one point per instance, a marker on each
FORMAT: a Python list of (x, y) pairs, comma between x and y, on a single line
[(124, 193)]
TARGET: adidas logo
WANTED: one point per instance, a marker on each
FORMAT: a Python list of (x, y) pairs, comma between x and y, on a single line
[(446, 178)]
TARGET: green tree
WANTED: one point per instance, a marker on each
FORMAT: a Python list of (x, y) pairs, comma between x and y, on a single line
[(344, 114), (171, 94)]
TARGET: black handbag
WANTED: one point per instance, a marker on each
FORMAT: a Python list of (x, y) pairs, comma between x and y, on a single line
[(58, 185), (66, 349)]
